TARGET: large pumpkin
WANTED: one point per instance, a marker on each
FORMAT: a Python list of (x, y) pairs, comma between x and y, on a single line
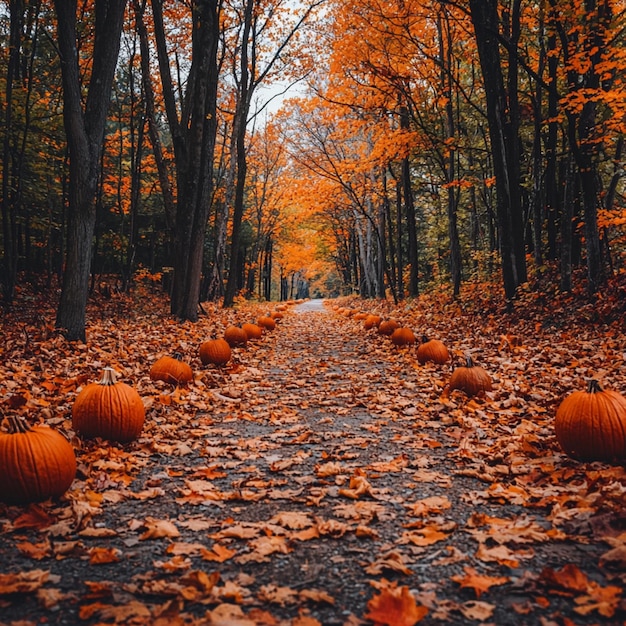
[(215, 352), (36, 463), (235, 336), (591, 425), (432, 350), (470, 378), (402, 336), (172, 370), (108, 409)]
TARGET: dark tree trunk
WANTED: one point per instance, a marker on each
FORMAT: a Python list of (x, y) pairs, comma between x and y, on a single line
[(582, 132), (85, 137), (9, 270), (502, 122), (194, 147), (445, 54)]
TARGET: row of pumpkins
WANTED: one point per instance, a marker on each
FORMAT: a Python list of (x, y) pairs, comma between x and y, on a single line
[(38, 462), (589, 425)]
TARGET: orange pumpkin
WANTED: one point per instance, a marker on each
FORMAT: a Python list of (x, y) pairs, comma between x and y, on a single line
[(591, 425), (432, 350), (266, 322), (470, 378), (108, 409), (36, 463), (276, 315), (372, 321), (253, 331), (172, 370), (215, 352), (235, 336), (402, 336), (386, 327)]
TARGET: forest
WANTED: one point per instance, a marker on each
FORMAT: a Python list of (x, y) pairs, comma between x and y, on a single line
[(314, 312), (271, 150)]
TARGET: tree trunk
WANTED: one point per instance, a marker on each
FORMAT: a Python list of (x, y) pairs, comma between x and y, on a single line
[(194, 147), (445, 54), (8, 209), (409, 211), (504, 142), (85, 137)]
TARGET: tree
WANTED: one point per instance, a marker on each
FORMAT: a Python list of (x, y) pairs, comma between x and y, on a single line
[(193, 127), (503, 121), (84, 128)]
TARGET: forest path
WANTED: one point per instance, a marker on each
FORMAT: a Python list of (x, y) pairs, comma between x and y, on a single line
[(289, 489)]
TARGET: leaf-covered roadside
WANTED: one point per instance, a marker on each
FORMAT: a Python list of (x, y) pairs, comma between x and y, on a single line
[(322, 477)]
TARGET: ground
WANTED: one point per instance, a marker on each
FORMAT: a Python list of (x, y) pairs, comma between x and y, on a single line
[(323, 477)]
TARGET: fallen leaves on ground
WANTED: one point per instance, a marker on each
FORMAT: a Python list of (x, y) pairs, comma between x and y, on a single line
[(320, 477)]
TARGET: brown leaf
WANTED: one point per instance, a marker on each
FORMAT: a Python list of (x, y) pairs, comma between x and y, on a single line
[(23, 582)]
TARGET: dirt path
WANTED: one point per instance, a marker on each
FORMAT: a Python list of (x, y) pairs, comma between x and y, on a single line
[(323, 465)]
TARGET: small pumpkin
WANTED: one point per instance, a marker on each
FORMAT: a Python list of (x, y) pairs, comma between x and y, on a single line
[(402, 336), (372, 321), (36, 463), (266, 322), (470, 378), (215, 352), (235, 336), (171, 369), (276, 315), (386, 327), (360, 316), (591, 425), (432, 350), (108, 409), (253, 331)]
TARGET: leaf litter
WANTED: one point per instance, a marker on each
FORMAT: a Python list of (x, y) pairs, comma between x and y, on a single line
[(322, 477)]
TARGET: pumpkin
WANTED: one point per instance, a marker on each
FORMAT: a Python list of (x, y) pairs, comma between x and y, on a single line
[(171, 370), (215, 352), (235, 336), (432, 350), (402, 336), (36, 463), (372, 321), (266, 322), (470, 378), (253, 331), (360, 316), (591, 425), (108, 409), (386, 327), (276, 315)]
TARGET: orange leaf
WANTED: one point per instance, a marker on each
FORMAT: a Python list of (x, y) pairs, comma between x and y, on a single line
[(98, 556), (395, 606), (479, 582)]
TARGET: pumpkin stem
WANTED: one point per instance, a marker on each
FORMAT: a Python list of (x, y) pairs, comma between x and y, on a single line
[(593, 386), (108, 376), (424, 339), (178, 356), (16, 424), (468, 361)]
